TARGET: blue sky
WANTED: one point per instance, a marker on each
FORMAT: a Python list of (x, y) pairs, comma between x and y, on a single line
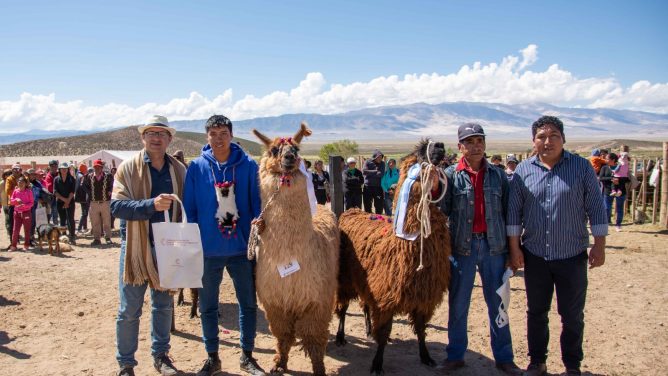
[(134, 53)]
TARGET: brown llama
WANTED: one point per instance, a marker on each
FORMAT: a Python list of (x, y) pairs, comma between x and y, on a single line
[(392, 275), (293, 239)]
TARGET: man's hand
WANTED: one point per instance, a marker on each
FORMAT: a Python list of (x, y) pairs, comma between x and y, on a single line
[(163, 202), (516, 258), (596, 255)]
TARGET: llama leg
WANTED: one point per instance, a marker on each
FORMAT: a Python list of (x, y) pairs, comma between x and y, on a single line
[(367, 321), (341, 310), (180, 301), (419, 325), (313, 329), (282, 327), (173, 327), (194, 296), (381, 333)]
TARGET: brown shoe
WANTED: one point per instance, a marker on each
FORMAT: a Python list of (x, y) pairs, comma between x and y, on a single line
[(509, 368), (536, 369), (450, 365)]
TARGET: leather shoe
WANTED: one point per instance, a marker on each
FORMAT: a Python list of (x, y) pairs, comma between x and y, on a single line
[(536, 369), (451, 365), (509, 368), (573, 371)]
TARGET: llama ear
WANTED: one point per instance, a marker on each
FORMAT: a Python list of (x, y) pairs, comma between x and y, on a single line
[(303, 131), (265, 140)]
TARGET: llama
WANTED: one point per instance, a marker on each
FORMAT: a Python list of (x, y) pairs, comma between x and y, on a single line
[(298, 255), (396, 275)]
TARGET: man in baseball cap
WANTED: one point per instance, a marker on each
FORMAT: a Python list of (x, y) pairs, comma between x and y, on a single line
[(475, 203)]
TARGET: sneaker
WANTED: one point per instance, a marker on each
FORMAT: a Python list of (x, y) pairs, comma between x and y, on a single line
[(164, 365), (73, 240), (12, 249), (96, 242), (126, 371), (618, 228), (211, 367), (108, 241), (249, 365)]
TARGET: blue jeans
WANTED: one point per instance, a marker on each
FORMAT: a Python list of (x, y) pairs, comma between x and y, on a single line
[(491, 269), (240, 270), (54, 210), (388, 205), (619, 207), (129, 312)]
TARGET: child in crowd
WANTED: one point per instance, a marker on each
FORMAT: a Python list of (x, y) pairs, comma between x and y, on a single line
[(620, 171), (22, 200)]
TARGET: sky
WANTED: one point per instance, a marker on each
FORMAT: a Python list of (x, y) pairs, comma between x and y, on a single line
[(86, 64)]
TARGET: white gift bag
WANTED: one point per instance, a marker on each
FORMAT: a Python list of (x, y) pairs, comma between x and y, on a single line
[(178, 249), (40, 216)]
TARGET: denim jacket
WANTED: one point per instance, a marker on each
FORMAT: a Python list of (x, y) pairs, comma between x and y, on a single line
[(458, 206)]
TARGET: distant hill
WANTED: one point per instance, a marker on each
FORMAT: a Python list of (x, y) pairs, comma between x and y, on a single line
[(410, 122), (120, 139)]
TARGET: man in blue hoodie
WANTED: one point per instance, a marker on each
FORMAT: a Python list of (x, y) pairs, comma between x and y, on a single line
[(222, 195)]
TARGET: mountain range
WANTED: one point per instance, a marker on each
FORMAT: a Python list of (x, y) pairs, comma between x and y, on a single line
[(406, 122)]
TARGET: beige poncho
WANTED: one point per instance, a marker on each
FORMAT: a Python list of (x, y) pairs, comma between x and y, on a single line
[(133, 182)]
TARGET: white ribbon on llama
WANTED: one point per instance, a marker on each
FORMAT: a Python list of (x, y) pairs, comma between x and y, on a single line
[(309, 187), (402, 203), (504, 293)]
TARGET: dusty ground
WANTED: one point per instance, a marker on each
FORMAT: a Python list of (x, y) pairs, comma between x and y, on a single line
[(57, 317)]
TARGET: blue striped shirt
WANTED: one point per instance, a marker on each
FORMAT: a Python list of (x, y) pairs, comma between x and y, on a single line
[(552, 207)]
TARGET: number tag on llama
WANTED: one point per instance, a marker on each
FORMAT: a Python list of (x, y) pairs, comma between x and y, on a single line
[(289, 268)]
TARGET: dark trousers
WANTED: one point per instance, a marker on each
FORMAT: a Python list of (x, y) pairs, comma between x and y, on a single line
[(9, 220), (321, 196), (83, 221), (569, 278), (353, 200), (67, 216), (373, 197)]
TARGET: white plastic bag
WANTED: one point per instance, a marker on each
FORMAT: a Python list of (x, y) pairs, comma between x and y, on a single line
[(178, 250), (40, 216)]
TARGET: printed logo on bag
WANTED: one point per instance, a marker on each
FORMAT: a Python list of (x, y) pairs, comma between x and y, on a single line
[(177, 242)]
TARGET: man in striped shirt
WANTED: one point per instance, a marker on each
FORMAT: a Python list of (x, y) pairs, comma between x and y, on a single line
[(552, 196)]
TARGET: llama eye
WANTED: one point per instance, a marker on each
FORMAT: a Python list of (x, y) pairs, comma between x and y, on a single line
[(274, 151)]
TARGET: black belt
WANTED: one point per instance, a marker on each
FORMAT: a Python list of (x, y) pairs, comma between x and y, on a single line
[(479, 235)]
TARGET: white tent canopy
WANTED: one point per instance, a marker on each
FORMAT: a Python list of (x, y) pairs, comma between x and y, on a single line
[(111, 158)]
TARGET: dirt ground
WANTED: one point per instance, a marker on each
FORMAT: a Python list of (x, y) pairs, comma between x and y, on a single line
[(57, 317)]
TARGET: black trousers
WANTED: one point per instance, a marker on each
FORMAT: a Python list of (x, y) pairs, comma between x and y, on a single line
[(321, 196), (353, 200), (373, 196), (83, 220), (9, 219), (569, 278), (66, 216)]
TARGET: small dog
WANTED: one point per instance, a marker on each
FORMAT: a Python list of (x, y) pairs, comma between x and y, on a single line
[(51, 235)]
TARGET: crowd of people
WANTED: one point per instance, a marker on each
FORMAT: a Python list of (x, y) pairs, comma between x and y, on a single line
[(535, 215), (34, 197)]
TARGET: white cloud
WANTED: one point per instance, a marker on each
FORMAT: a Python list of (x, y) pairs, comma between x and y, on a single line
[(511, 82)]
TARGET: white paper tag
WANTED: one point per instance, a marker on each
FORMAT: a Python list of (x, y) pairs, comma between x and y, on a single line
[(289, 268)]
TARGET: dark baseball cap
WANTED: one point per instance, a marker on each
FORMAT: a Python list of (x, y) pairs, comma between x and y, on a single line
[(469, 130)]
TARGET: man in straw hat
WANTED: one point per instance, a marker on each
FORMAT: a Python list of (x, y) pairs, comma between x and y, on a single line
[(140, 195)]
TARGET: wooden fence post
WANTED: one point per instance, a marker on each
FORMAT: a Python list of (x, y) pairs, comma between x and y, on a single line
[(336, 189), (643, 185), (664, 188)]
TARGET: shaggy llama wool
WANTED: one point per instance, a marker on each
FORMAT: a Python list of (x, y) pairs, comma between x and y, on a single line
[(299, 305)]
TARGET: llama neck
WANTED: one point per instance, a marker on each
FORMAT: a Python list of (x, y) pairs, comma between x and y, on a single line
[(289, 204)]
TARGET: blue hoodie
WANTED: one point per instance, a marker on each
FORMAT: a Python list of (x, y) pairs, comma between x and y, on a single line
[(199, 198)]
